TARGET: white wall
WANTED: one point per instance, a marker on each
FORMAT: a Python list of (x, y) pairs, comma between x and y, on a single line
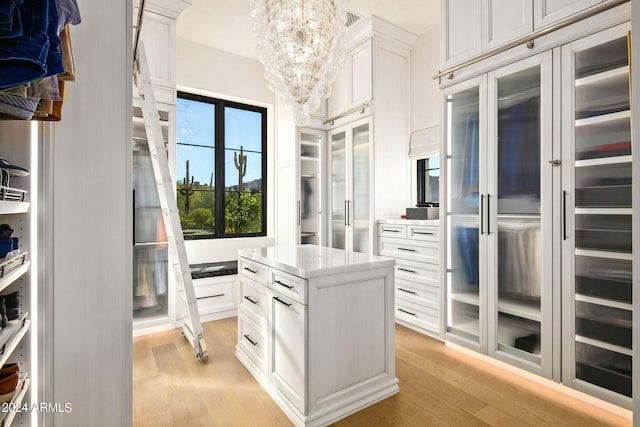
[(212, 72), (87, 228), (425, 94)]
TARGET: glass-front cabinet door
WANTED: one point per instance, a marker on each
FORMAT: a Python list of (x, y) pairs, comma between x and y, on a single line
[(338, 189), (597, 253), (519, 213), (311, 142), (359, 204), (464, 137)]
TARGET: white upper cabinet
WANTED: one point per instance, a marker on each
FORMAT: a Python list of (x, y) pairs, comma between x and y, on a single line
[(505, 20), (353, 84), (461, 30), (549, 11)]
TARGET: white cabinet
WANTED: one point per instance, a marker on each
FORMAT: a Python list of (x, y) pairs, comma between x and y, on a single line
[(351, 189), (505, 20), (461, 30), (353, 84), (418, 288), (550, 11), (498, 205), (318, 332), (596, 239), (310, 191)]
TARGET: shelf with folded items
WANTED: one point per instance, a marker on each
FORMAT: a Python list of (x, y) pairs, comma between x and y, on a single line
[(13, 269), (11, 336), (13, 201), (16, 405)]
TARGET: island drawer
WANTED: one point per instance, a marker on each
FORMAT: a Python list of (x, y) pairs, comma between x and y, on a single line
[(392, 230), (254, 270), (253, 299), (418, 293), (252, 339), (289, 285)]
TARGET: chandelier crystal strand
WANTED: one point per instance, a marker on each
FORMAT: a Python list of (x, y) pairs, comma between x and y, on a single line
[(300, 46)]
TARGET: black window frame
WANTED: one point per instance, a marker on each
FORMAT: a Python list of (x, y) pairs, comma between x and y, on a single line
[(219, 156)]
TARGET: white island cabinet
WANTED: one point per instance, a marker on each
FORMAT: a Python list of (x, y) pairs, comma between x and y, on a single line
[(316, 329)]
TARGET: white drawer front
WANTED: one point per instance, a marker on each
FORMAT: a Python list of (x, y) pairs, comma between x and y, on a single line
[(215, 297), (253, 340), (289, 285), (423, 232), (253, 300), (409, 249), (254, 270), (418, 315), (392, 230), (418, 293), (420, 272)]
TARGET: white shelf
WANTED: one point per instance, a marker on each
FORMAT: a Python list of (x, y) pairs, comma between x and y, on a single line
[(16, 402), (604, 211), (604, 118), (14, 274), (309, 159), (604, 345), (603, 161), (11, 336), (467, 298), (309, 175), (310, 143), (604, 254), (604, 77), (520, 309), (471, 328), (9, 207), (605, 302), (140, 120)]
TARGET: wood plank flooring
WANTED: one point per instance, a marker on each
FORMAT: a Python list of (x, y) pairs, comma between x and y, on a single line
[(439, 386)]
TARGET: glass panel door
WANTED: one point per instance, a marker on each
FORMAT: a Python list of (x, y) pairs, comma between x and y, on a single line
[(601, 219), (518, 188), (360, 200), (310, 186), (463, 214), (338, 189)]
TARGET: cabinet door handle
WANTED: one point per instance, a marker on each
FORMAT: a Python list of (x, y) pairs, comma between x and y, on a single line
[(406, 250), (488, 214), (481, 214), (250, 270), (250, 340), (408, 312), (346, 214), (407, 270), (299, 215), (248, 298), (283, 284), (390, 231), (425, 233), (564, 215), (282, 302), (407, 291)]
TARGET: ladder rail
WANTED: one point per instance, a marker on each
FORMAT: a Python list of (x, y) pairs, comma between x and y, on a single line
[(192, 327)]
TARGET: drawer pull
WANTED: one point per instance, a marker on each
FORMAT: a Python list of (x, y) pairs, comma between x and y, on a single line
[(390, 231), (405, 311), (250, 270), (216, 296), (282, 302), (250, 300), (407, 270), (250, 340), (408, 291), (283, 284), (424, 233), (406, 250)]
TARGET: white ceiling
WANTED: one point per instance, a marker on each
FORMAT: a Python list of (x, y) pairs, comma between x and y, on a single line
[(226, 24)]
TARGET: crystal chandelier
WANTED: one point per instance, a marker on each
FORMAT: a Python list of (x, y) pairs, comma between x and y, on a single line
[(300, 46)]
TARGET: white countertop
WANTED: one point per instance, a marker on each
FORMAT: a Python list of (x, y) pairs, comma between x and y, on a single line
[(401, 221), (311, 261)]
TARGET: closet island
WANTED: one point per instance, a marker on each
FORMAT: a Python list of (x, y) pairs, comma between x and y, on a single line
[(316, 329)]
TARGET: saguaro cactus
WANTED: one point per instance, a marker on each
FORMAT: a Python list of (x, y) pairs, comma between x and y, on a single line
[(187, 188), (241, 164)]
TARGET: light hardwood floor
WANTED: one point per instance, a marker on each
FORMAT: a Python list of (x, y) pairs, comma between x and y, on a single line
[(439, 386)]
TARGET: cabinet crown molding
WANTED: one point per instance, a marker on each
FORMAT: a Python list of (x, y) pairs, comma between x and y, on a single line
[(373, 25), (168, 8)]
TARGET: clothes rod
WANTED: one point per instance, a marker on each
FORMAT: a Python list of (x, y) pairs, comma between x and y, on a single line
[(346, 113), (138, 29), (529, 38)]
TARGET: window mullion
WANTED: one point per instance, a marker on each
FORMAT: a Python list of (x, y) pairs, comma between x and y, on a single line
[(219, 169)]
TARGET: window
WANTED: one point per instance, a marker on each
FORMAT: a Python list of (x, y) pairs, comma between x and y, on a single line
[(428, 180), (220, 167)]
